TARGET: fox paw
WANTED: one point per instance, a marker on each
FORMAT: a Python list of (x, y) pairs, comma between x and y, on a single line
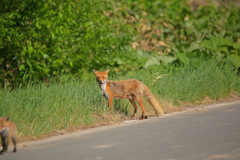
[(142, 118), (132, 117)]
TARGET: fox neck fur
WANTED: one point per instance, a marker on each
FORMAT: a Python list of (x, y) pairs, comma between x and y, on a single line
[(103, 89)]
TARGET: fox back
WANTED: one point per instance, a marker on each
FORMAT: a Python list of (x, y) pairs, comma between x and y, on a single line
[(119, 89)]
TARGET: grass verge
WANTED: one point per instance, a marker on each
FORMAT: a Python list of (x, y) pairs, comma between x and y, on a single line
[(70, 103)]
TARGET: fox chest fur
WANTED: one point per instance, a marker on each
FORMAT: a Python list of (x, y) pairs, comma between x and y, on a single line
[(103, 90)]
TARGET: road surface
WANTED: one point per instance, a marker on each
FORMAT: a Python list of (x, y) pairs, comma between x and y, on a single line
[(204, 133)]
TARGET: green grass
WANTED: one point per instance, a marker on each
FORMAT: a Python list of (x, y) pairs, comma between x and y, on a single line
[(40, 109), (193, 83)]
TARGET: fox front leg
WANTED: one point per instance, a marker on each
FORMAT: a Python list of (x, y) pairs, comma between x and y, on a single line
[(4, 145), (110, 103)]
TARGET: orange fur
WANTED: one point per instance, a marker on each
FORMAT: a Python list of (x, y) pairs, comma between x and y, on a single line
[(131, 89), (8, 131)]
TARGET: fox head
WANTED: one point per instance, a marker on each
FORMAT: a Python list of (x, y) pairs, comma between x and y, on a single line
[(4, 124), (101, 77)]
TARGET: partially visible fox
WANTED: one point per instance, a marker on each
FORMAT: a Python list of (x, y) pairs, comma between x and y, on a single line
[(8, 131), (131, 89)]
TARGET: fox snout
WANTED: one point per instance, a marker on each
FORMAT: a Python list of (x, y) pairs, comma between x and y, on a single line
[(101, 82)]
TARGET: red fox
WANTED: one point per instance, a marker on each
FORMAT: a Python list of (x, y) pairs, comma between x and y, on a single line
[(8, 130), (131, 89)]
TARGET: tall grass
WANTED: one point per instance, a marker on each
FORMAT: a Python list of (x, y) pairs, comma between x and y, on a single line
[(39, 109), (202, 78)]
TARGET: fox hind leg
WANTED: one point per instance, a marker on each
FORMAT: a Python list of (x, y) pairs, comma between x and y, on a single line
[(139, 100), (132, 101), (14, 139)]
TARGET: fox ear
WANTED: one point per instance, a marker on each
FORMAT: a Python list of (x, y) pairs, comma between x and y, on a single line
[(94, 70), (107, 70), (7, 118)]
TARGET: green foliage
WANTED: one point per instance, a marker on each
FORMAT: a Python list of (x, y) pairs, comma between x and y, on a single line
[(41, 39), (44, 39), (180, 30)]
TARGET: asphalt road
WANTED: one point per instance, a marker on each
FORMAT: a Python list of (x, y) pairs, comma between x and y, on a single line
[(206, 133)]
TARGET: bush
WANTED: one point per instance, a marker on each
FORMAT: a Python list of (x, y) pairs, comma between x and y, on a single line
[(41, 39)]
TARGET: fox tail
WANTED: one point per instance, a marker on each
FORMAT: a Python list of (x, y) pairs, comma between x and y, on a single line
[(154, 103)]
